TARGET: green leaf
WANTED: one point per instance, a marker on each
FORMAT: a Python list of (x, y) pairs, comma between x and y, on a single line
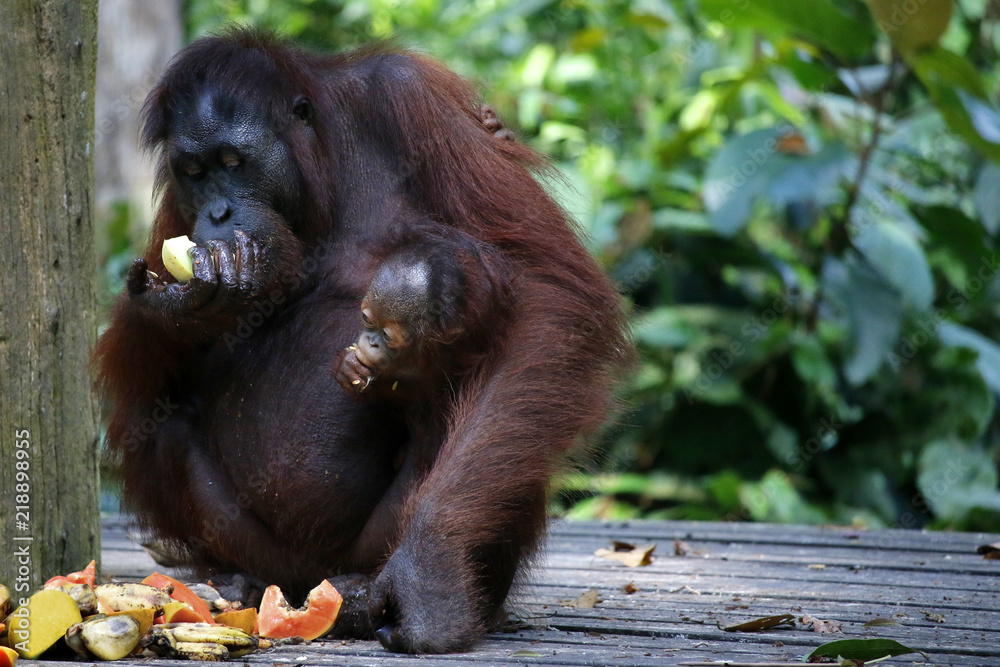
[(898, 257), (813, 177), (665, 327), (912, 28), (775, 499), (817, 21), (738, 174), (988, 361), (750, 167), (940, 67), (873, 310), (860, 649), (812, 363), (958, 235), (984, 117), (986, 197), (955, 478), (959, 94)]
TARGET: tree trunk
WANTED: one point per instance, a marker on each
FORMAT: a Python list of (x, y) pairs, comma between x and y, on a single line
[(49, 520)]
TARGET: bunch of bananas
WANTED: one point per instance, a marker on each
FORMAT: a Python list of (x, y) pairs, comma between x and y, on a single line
[(200, 641)]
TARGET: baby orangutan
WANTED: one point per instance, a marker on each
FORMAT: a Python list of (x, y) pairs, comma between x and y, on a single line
[(397, 312), (417, 304)]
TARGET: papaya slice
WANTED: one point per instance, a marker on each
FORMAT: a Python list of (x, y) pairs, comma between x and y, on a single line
[(85, 576), (278, 620), (181, 593), (8, 657)]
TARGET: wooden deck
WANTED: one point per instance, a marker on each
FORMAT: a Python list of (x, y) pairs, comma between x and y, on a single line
[(944, 597)]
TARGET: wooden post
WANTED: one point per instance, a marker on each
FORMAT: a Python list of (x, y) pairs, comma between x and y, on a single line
[(49, 450)]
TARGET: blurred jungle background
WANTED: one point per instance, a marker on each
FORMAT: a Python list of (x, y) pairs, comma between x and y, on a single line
[(800, 200)]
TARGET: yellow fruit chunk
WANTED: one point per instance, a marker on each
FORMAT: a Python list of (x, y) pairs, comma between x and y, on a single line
[(244, 619), (912, 26), (179, 612), (176, 258), (42, 622)]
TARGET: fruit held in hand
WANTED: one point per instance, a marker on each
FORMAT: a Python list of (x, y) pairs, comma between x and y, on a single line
[(176, 258), (277, 620)]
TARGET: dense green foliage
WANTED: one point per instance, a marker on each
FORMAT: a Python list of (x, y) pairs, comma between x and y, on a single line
[(805, 220)]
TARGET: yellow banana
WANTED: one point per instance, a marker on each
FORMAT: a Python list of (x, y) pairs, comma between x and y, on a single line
[(105, 637), (126, 596), (84, 597), (213, 598), (165, 638), (235, 640), (205, 651)]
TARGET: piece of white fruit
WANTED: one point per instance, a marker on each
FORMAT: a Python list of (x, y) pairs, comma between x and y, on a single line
[(176, 258)]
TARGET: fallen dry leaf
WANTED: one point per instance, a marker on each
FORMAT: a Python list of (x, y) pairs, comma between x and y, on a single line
[(763, 623), (681, 548), (630, 588), (879, 621), (686, 589), (931, 616), (820, 626), (634, 557), (586, 600), (817, 566)]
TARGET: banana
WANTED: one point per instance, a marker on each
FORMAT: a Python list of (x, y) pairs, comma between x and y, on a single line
[(125, 596), (205, 651), (235, 640), (105, 637), (177, 639), (159, 642), (74, 640), (84, 596), (213, 598)]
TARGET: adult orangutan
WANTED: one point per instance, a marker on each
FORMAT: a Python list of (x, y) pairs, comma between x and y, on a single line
[(391, 338)]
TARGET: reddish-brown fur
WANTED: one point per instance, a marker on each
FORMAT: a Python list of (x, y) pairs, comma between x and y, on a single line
[(444, 542)]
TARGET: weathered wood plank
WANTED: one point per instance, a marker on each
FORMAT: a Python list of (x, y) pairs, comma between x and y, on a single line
[(748, 571)]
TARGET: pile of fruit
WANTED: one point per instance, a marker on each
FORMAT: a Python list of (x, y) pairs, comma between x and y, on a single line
[(158, 617)]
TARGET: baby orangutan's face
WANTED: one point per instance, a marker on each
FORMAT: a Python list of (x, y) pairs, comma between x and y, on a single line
[(383, 339)]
